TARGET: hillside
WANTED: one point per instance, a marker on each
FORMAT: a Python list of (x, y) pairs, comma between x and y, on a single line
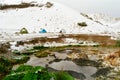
[(35, 15), (55, 42)]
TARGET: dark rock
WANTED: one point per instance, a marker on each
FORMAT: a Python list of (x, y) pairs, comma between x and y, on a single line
[(51, 69), (72, 73), (19, 43), (55, 60), (49, 5), (4, 48), (82, 24), (102, 72), (85, 62), (77, 75)]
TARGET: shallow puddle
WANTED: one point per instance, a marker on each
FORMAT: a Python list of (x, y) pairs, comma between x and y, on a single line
[(71, 66)]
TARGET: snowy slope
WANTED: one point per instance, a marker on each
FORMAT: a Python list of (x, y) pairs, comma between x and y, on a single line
[(117, 27), (111, 22), (9, 2), (52, 19), (103, 18)]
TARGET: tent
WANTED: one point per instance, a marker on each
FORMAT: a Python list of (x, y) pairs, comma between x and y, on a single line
[(23, 31), (62, 31), (42, 31)]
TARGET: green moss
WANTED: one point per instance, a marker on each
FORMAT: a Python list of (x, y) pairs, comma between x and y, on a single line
[(61, 75), (19, 59), (5, 65), (25, 52), (29, 52), (96, 45), (22, 68), (40, 47), (42, 54), (16, 52), (26, 72), (118, 43)]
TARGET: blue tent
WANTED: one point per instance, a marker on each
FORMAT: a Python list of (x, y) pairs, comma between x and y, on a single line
[(42, 31)]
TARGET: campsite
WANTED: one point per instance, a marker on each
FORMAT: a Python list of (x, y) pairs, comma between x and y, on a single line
[(46, 40)]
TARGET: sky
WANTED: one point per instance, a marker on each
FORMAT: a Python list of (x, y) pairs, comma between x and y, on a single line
[(108, 7)]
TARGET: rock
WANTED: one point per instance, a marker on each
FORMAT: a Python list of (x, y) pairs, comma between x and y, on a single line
[(82, 24), (4, 48), (84, 62), (49, 5), (78, 56), (60, 55), (102, 72), (113, 58), (55, 60), (77, 75)]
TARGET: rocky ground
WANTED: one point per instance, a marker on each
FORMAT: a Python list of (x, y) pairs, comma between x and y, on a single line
[(84, 62)]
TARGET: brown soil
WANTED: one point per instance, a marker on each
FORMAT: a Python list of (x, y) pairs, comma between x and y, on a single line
[(22, 5), (102, 40)]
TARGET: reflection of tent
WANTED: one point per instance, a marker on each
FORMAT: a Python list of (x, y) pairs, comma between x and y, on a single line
[(42, 31)]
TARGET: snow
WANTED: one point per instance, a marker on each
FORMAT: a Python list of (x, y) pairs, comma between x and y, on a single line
[(52, 19), (10, 2), (103, 18)]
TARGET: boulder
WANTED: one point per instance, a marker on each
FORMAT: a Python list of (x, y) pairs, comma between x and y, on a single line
[(77, 56)]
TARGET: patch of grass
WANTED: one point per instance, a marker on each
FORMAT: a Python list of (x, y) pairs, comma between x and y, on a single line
[(25, 52), (61, 75), (118, 43), (29, 52), (96, 45), (16, 52), (27, 72), (5, 65), (40, 47), (19, 59), (42, 54)]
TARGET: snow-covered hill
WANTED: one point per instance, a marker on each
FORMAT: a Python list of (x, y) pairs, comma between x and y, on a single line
[(103, 18), (53, 19)]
